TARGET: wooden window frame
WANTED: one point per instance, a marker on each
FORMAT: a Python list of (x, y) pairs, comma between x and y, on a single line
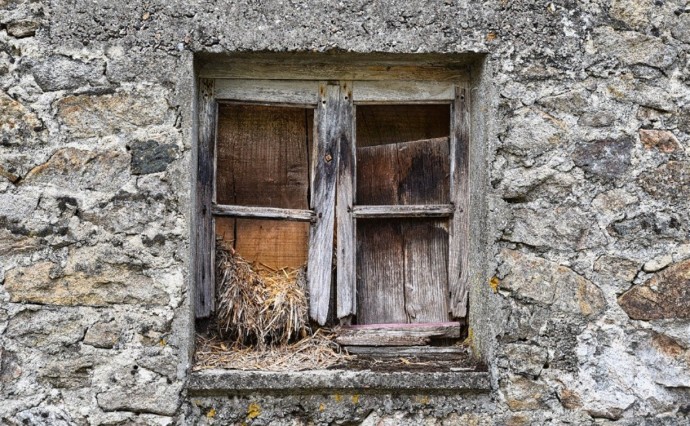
[(332, 176)]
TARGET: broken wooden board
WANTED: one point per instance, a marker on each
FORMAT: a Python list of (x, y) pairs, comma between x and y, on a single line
[(385, 124), (397, 334), (415, 172)]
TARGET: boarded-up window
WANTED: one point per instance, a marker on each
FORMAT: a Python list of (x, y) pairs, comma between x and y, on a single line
[(373, 172)]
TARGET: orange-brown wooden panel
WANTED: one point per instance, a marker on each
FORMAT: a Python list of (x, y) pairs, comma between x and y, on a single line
[(262, 155), (272, 243), (383, 124)]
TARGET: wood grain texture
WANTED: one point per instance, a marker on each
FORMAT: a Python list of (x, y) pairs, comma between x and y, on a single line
[(403, 211), (404, 173), (402, 92), (203, 232), (263, 213), (329, 130), (268, 91), (460, 193), (300, 66), (346, 280), (262, 156), (426, 266), (397, 334), (380, 272), (271, 243), (384, 124), (402, 271)]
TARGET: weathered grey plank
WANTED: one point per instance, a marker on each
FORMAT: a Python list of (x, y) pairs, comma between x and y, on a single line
[(426, 270), (346, 280), (329, 130), (380, 272), (406, 351), (300, 66), (458, 254), (263, 212), (268, 91), (397, 334), (203, 230), (405, 92), (403, 211)]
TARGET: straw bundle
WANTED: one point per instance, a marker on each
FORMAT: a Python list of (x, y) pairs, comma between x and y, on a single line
[(256, 304)]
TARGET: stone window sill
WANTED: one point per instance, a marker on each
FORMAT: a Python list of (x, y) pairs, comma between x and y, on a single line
[(224, 382)]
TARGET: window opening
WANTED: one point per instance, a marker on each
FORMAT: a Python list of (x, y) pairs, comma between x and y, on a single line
[(365, 195)]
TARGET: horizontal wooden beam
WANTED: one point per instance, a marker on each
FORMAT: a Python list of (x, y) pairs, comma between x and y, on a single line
[(406, 351), (263, 213), (397, 334), (288, 66), (372, 212), (372, 92), (268, 91)]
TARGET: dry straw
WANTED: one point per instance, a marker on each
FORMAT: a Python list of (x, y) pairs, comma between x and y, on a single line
[(262, 320), (258, 305)]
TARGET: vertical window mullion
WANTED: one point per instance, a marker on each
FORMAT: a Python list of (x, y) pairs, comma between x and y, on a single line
[(346, 280), (329, 130)]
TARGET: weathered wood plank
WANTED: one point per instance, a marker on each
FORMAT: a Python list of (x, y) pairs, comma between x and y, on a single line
[(271, 243), (426, 270), (380, 272), (203, 230), (403, 211), (262, 156), (329, 130), (383, 124), (268, 91), (346, 280), (404, 92), (397, 334), (414, 172), (406, 351), (460, 196), (263, 212), (296, 66)]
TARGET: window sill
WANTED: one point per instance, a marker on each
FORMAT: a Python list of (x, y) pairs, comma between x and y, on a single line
[(224, 382)]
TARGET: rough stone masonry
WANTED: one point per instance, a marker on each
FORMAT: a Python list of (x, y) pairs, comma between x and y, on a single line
[(588, 225)]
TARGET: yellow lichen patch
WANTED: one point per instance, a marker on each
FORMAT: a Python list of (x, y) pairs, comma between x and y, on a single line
[(253, 410), (494, 282), (355, 399), (211, 413), (338, 397), (422, 399), (469, 340), (322, 407)]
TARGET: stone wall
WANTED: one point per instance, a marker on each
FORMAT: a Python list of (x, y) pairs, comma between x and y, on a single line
[(583, 317)]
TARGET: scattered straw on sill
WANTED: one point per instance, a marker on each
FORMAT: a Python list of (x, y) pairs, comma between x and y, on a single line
[(317, 351)]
